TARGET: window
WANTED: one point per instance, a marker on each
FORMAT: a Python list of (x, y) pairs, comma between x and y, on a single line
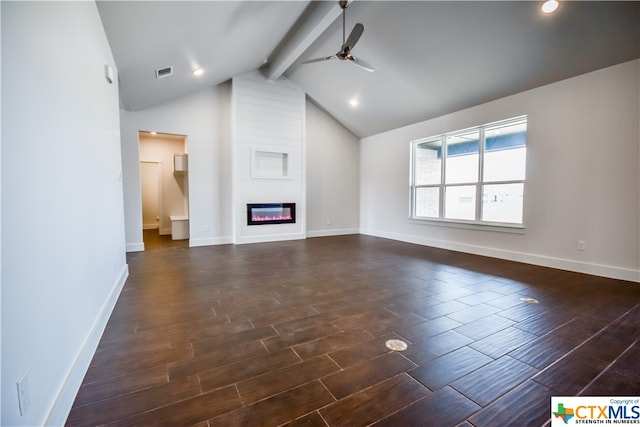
[(474, 175)]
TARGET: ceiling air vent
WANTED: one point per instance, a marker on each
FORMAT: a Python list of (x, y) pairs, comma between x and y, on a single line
[(164, 72)]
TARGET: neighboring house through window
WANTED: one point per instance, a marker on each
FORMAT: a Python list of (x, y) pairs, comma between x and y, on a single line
[(474, 175)]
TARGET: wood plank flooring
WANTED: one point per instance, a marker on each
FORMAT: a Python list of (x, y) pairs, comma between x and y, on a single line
[(293, 333)]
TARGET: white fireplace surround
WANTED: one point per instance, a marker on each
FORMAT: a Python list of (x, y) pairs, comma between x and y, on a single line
[(268, 155)]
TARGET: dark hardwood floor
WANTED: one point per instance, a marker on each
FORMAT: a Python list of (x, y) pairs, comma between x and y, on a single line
[(294, 333), (153, 240)]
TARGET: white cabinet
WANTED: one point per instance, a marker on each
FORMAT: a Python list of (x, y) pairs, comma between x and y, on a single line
[(180, 163), (179, 227)]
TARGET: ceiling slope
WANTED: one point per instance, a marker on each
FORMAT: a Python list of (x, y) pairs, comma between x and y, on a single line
[(224, 38), (432, 58)]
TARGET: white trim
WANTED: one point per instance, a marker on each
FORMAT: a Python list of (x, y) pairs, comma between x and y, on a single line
[(333, 232), (134, 247), (471, 225), (210, 241), (59, 411), (609, 271), (269, 238)]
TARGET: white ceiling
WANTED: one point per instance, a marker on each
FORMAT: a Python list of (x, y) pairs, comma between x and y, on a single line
[(432, 58)]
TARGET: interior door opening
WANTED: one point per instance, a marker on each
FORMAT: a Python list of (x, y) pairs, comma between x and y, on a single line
[(164, 183)]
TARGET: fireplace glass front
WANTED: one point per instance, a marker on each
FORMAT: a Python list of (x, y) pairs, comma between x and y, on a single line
[(271, 213)]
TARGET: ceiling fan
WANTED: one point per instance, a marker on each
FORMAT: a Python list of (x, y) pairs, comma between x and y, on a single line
[(347, 45)]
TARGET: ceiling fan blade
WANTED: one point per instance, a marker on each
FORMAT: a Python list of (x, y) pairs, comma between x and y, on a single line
[(326, 58), (354, 36), (362, 64)]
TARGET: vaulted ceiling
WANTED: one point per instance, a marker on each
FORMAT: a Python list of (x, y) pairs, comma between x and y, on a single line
[(431, 57)]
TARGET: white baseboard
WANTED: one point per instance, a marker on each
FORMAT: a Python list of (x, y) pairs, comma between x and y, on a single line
[(334, 232), (59, 411), (150, 226), (270, 238), (195, 242), (209, 241), (609, 271), (134, 247)]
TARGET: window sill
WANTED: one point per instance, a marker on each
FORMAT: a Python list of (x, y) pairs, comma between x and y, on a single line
[(470, 225)]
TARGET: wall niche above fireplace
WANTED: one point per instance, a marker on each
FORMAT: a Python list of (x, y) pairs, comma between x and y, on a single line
[(269, 164), (271, 213)]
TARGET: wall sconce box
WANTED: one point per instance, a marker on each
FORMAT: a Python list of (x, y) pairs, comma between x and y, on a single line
[(109, 74)]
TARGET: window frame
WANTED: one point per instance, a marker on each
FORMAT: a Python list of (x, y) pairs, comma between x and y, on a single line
[(479, 184)]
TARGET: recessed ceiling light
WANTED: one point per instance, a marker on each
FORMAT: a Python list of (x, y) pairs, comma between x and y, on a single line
[(353, 102), (198, 72), (550, 6)]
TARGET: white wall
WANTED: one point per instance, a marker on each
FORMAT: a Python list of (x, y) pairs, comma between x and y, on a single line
[(161, 149), (204, 117), (582, 177), (268, 117), (63, 246), (333, 176), (0, 218)]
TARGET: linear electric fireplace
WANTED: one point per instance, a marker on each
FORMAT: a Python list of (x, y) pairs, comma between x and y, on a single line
[(271, 213)]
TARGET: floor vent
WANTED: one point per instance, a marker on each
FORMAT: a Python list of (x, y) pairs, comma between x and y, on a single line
[(396, 345), (164, 72)]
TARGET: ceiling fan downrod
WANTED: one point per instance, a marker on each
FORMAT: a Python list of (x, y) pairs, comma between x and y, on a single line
[(344, 4)]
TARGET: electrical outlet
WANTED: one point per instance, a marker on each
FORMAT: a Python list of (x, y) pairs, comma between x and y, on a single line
[(207, 228), (328, 221), (24, 393), (582, 245)]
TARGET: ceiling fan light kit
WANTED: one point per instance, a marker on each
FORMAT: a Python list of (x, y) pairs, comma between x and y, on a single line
[(344, 54)]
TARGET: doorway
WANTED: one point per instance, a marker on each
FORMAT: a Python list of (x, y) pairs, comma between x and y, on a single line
[(164, 184)]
